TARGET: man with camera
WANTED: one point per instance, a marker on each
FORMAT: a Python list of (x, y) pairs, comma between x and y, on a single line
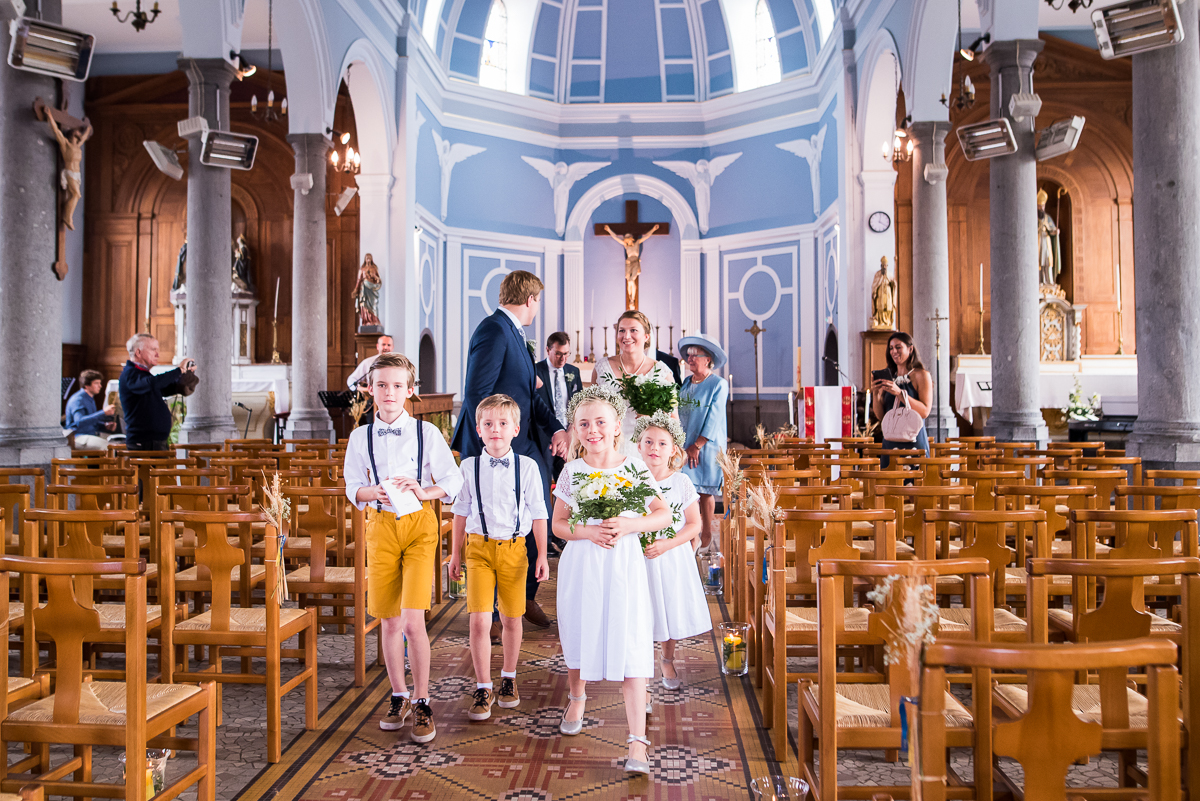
[(147, 416)]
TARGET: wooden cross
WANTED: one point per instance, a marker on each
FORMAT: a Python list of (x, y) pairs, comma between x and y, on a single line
[(67, 124), (631, 224), (754, 331), (637, 230)]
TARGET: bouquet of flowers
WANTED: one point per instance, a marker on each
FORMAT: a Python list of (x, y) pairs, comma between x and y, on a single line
[(650, 393), (1079, 409), (600, 495), (668, 533)]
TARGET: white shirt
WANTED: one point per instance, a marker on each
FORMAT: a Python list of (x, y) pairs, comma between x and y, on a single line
[(396, 455), (516, 322), (498, 488), (558, 378), (360, 372)]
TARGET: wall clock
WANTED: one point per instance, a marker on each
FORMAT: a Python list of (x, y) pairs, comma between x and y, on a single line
[(879, 222)]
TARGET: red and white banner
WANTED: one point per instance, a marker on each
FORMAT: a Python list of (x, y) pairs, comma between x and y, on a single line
[(827, 412)]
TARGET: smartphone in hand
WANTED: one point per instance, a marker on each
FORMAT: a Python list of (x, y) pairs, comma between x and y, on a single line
[(881, 375)]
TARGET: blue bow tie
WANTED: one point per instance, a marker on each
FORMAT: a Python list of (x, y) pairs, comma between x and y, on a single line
[(385, 431), (502, 462)]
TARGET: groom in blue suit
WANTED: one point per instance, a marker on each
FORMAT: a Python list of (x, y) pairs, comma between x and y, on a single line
[(499, 361)]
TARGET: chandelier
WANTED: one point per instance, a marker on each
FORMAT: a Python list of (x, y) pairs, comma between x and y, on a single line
[(1072, 5), (269, 114), (140, 19), (965, 98)]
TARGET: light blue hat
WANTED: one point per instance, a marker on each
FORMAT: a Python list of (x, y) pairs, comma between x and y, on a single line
[(710, 344)]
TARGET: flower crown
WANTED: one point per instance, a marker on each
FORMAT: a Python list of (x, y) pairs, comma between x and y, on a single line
[(596, 393), (663, 420)]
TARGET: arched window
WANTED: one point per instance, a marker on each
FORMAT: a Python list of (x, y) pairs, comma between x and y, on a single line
[(493, 70), (766, 50)]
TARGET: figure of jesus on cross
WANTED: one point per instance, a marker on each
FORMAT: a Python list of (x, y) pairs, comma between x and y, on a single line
[(630, 235)]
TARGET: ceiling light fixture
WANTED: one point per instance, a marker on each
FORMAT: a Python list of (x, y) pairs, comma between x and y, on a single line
[(48, 49), (164, 158), (1072, 5), (137, 18), (1136, 26), (269, 114), (987, 140), (966, 89), (341, 136), (969, 53), (244, 68)]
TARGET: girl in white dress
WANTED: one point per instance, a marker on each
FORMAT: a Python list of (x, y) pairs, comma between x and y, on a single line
[(604, 616), (632, 358), (680, 608)]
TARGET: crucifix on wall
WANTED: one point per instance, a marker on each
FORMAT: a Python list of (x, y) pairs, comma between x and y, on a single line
[(71, 134), (631, 234)]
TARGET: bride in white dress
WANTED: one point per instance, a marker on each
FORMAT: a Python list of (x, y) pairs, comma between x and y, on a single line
[(632, 358)]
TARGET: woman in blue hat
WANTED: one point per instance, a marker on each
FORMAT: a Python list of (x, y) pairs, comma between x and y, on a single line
[(702, 414)]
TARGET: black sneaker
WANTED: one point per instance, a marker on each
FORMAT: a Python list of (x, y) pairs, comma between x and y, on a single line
[(423, 729), (509, 698), (397, 713)]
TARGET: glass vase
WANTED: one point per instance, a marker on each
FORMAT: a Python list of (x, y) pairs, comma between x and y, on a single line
[(712, 571), (733, 648)]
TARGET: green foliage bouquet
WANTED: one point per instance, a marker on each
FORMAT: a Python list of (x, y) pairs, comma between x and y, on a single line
[(650, 393)]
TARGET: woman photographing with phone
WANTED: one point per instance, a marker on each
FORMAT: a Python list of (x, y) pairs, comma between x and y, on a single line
[(911, 386)]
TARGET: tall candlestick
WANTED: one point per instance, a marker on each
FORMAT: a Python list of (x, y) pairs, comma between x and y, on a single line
[(592, 345), (605, 329), (578, 348), (1119, 287), (149, 288), (275, 316)]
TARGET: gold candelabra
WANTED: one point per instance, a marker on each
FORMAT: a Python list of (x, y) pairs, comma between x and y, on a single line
[(1120, 331), (578, 348), (981, 351), (275, 342)]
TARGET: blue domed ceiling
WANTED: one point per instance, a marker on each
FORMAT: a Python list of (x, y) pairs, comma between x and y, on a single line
[(629, 51)]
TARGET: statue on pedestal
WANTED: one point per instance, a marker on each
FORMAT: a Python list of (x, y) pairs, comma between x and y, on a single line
[(181, 264), (243, 279), (366, 295), (1049, 251), (883, 299)]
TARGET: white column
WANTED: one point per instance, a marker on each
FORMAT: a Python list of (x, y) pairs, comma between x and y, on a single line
[(374, 196), (689, 287), (573, 308), (401, 300), (551, 317), (456, 317), (712, 292)]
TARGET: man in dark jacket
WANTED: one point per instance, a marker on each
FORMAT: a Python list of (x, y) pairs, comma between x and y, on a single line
[(147, 416)]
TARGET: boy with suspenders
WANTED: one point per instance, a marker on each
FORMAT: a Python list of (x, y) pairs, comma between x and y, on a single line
[(501, 501), (407, 455)]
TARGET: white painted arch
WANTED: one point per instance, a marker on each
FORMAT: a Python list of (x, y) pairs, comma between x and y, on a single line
[(632, 184), (929, 58), (369, 80), (877, 108), (307, 63)]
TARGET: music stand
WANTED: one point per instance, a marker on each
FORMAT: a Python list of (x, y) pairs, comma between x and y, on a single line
[(339, 400)]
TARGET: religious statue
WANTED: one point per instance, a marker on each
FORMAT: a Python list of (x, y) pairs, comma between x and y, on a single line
[(633, 263), (883, 299), (243, 280), (181, 266), (1049, 252), (366, 293), (71, 146)]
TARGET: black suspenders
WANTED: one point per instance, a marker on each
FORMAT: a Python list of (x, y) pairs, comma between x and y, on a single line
[(371, 454), (479, 495)]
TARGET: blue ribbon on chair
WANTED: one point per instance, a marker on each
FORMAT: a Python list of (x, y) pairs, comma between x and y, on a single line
[(905, 700)]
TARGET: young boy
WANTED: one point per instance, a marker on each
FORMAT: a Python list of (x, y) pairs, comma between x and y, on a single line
[(397, 453), (500, 502)]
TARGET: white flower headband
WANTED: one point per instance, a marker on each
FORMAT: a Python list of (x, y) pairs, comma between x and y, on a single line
[(663, 420), (596, 393)]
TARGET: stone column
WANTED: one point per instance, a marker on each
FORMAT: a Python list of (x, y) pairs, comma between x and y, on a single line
[(31, 297), (1016, 410), (931, 269), (210, 261), (1166, 239), (310, 317)]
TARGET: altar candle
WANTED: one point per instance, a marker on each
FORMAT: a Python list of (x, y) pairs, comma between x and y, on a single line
[(1118, 286), (981, 286), (149, 286), (276, 315), (791, 408)]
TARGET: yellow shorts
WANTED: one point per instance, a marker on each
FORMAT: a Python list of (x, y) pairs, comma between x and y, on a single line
[(496, 568), (401, 560)]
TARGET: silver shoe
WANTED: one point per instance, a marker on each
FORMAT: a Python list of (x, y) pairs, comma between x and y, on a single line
[(671, 684), (637, 766), (571, 727), (649, 708)]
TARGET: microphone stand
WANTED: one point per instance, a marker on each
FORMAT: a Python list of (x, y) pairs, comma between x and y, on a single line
[(853, 391)]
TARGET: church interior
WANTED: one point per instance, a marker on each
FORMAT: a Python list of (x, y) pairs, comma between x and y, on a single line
[(982, 210)]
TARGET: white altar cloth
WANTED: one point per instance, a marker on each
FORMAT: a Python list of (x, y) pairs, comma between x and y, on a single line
[(1113, 377)]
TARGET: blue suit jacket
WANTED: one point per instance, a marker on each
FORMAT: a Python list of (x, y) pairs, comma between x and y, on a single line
[(498, 361)]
